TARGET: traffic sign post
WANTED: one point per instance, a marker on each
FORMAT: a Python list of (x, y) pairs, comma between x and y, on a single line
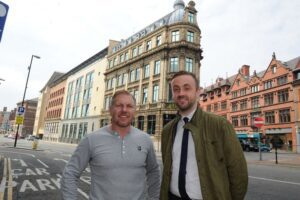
[(258, 123)]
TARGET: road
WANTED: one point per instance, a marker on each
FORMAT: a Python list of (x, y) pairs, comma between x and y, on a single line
[(35, 174)]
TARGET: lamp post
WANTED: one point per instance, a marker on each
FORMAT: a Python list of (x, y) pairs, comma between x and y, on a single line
[(29, 68)]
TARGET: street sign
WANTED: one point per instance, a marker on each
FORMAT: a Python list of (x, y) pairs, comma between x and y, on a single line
[(21, 110), (258, 122), (19, 119), (3, 14)]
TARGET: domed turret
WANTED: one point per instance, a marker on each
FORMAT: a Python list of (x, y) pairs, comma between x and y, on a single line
[(178, 4)]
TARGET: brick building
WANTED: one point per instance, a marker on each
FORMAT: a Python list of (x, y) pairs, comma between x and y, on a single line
[(269, 94)]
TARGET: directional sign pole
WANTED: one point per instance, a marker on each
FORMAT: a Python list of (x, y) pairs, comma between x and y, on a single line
[(29, 68)]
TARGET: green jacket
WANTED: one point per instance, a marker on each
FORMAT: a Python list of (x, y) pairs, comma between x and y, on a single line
[(221, 163)]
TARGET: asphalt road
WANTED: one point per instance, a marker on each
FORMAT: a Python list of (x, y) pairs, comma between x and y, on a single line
[(35, 174)]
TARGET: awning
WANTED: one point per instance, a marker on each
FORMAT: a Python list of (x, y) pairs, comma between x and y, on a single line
[(242, 135), (278, 131)]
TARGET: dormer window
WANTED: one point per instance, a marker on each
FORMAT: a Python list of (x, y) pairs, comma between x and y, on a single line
[(191, 17), (274, 69)]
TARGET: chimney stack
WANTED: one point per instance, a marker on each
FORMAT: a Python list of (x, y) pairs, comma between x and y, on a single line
[(245, 70)]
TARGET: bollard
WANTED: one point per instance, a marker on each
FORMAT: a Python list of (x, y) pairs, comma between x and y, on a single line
[(35, 143)]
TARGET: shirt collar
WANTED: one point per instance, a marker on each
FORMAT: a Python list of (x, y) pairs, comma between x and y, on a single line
[(189, 116)]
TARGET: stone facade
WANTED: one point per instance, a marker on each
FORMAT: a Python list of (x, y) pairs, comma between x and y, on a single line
[(144, 63)]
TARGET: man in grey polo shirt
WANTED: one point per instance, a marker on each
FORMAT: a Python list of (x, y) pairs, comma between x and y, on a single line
[(121, 158)]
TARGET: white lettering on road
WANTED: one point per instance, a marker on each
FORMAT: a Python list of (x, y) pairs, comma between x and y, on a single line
[(274, 180), (43, 183), (23, 164), (27, 185), (41, 171), (43, 163), (60, 160)]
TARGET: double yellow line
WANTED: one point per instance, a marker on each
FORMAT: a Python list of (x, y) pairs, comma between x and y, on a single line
[(6, 181)]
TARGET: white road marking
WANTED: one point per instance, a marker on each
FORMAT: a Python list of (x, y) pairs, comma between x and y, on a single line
[(60, 160), (23, 164), (28, 154), (274, 180), (83, 193), (43, 163)]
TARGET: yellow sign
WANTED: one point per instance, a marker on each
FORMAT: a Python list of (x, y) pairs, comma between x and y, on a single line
[(19, 119)]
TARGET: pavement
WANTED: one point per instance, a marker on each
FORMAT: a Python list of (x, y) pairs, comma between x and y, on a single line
[(284, 158)]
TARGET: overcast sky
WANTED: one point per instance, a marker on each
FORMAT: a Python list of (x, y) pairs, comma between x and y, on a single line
[(64, 33)]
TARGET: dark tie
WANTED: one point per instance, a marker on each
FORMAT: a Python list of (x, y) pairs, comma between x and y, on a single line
[(183, 159)]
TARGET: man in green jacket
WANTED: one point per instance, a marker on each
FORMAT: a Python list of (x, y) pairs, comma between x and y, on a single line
[(201, 155)]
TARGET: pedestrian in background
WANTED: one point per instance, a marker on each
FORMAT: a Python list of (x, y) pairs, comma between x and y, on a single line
[(201, 155), (122, 158)]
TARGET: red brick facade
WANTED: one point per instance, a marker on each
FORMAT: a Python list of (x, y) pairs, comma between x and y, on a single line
[(269, 94)]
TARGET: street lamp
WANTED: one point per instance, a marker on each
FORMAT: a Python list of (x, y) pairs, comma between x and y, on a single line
[(29, 68)]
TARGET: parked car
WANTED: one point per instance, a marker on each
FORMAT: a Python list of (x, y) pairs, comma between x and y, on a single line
[(248, 146), (265, 148), (31, 137)]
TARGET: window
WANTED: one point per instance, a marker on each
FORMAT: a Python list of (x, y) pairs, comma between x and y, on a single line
[(268, 99), (215, 107), (124, 79), (274, 69), (283, 95), (268, 84), (244, 120), (269, 117), (151, 124), (175, 36), (284, 116), (223, 105), (115, 61), (85, 110), (243, 92), (238, 82), (234, 106), (254, 88), (191, 17), (126, 55), (146, 71), (134, 52), (155, 93), (190, 36), (234, 94), (298, 76), (174, 65), (137, 72), (140, 50), (122, 58), (110, 65), (235, 121), (158, 40), (107, 103), (141, 120), (145, 95), (189, 64), (120, 80), (243, 104), (208, 108), (282, 80), (149, 45), (132, 75), (157, 67), (136, 95), (255, 102)]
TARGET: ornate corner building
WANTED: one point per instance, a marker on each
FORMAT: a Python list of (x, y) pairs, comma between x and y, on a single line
[(144, 63)]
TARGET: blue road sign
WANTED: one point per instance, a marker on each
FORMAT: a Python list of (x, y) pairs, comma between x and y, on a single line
[(3, 14), (21, 109)]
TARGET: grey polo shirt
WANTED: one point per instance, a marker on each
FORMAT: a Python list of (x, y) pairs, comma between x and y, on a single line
[(120, 168)]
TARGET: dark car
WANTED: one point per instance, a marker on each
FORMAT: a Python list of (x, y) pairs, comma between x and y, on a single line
[(248, 146), (265, 148)]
